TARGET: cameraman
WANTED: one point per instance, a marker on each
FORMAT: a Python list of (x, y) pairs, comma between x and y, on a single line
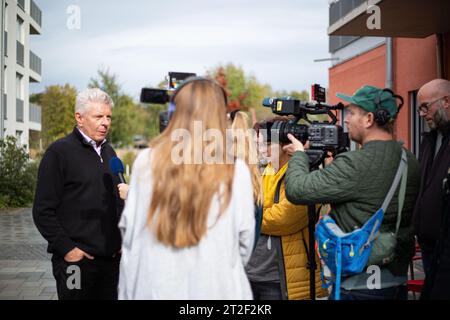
[(356, 183)]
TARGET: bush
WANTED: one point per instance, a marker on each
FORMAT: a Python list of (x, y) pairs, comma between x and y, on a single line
[(18, 174)]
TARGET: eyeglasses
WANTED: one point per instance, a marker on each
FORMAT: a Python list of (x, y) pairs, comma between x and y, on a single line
[(424, 107)]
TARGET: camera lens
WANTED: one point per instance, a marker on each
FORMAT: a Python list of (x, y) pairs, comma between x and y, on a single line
[(299, 131)]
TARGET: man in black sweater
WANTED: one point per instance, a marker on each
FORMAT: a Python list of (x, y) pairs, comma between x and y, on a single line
[(434, 157), (77, 206)]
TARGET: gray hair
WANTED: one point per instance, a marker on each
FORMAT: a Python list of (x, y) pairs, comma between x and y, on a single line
[(92, 95)]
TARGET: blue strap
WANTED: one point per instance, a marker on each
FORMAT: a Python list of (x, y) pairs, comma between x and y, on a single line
[(337, 290)]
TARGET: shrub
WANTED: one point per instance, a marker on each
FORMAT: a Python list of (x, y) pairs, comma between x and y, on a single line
[(18, 174)]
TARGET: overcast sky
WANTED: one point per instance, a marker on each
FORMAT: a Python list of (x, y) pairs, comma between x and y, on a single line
[(141, 40)]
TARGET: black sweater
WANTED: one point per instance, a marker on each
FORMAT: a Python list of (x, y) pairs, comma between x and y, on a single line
[(77, 202)]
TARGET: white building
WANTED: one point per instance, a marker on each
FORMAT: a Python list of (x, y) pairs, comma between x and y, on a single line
[(21, 19)]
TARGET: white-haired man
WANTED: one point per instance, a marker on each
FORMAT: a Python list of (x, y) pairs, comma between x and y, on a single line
[(77, 206)]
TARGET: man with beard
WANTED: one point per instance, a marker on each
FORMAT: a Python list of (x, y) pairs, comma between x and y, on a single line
[(434, 158)]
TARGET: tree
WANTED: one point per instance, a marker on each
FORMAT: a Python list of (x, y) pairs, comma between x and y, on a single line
[(58, 107), (244, 92)]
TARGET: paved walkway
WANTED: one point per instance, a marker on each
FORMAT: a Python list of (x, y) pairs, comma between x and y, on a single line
[(25, 267)]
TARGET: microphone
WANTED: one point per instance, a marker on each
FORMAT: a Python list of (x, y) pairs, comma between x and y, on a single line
[(116, 166)]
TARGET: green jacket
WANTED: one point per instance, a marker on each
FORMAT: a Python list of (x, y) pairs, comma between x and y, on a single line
[(356, 184)]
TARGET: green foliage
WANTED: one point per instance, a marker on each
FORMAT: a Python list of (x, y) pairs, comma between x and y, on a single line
[(58, 107), (19, 174), (301, 95), (36, 98), (245, 92), (108, 83)]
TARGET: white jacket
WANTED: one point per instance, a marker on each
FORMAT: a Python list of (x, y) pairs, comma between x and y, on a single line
[(213, 269)]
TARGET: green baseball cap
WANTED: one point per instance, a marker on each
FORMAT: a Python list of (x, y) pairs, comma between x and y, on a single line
[(368, 97)]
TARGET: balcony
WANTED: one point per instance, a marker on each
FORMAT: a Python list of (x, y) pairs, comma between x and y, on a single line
[(35, 113), (19, 110), (35, 63), (36, 13), (20, 54)]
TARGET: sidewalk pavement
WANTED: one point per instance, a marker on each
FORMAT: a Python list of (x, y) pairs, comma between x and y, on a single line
[(25, 266)]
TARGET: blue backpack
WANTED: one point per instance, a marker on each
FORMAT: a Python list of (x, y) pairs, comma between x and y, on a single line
[(348, 253)]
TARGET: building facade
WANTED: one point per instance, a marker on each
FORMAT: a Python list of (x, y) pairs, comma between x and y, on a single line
[(21, 21), (411, 47)]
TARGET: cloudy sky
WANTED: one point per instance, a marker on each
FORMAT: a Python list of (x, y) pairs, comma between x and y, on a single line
[(141, 40)]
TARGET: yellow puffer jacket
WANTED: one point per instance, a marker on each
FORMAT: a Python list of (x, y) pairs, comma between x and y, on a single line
[(290, 223)]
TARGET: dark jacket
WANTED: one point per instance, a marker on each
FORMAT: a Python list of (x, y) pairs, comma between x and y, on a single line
[(437, 282), (429, 205), (77, 202), (356, 184)]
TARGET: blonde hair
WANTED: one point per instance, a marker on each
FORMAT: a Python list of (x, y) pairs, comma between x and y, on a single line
[(247, 152), (182, 193)]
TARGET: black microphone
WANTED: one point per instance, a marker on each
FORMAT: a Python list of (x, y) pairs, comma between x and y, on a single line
[(116, 166)]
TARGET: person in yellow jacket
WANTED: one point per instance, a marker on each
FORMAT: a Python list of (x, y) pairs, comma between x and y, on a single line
[(278, 267)]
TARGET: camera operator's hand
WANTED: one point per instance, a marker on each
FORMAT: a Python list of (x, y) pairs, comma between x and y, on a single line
[(296, 145)]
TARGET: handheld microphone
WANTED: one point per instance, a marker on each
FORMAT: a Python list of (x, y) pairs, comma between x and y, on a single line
[(116, 166)]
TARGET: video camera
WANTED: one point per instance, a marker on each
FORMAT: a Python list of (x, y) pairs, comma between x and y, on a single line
[(323, 136), (162, 96)]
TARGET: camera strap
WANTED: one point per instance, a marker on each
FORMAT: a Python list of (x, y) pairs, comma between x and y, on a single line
[(276, 198)]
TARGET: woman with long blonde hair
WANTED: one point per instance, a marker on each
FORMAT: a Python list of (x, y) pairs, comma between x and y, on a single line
[(188, 224)]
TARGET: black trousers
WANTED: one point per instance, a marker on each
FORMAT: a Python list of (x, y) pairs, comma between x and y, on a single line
[(87, 279), (266, 290)]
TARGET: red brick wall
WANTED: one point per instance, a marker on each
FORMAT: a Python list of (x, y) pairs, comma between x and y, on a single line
[(366, 69)]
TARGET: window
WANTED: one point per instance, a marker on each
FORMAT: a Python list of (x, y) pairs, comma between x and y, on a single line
[(5, 33), (19, 86), (6, 17), (20, 31), (5, 86), (418, 125), (5, 80)]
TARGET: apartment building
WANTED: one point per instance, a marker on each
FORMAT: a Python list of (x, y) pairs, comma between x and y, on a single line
[(21, 67)]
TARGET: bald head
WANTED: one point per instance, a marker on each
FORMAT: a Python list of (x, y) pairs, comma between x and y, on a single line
[(435, 88), (435, 96)]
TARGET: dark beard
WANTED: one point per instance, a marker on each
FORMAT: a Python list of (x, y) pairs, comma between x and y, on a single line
[(440, 119)]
